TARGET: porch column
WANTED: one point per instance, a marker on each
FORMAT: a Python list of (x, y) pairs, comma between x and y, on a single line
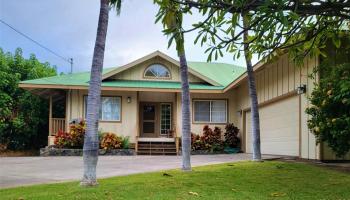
[(50, 116), (50, 138)]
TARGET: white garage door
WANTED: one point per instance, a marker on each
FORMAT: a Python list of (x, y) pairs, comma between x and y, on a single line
[(279, 128)]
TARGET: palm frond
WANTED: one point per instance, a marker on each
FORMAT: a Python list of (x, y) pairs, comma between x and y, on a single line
[(116, 4)]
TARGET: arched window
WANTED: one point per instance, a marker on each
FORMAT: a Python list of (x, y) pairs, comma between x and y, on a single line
[(157, 71)]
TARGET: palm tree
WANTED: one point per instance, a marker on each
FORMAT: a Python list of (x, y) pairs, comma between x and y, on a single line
[(172, 20), (252, 93), (91, 141)]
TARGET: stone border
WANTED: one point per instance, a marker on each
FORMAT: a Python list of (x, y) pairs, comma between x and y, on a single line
[(52, 151), (206, 152)]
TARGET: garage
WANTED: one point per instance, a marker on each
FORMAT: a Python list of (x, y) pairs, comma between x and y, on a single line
[(279, 128)]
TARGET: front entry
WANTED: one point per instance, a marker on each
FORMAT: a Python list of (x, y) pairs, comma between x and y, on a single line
[(155, 119)]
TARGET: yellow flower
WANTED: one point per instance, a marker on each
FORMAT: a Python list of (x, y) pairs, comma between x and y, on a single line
[(329, 92), (317, 129)]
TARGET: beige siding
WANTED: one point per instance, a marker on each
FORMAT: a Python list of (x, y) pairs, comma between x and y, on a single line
[(328, 154), (198, 127), (128, 126), (274, 81), (137, 72)]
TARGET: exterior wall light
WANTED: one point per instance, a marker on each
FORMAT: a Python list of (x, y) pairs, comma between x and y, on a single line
[(239, 113), (128, 99), (301, 89)]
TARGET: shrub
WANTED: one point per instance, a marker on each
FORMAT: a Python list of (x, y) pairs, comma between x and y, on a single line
[(61, 139), (110, 141), (330, 116), (72, 139), (210, 140), (196, 142), (231, 136)]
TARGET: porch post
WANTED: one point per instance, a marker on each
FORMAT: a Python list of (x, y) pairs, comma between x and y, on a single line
[(50, 116)]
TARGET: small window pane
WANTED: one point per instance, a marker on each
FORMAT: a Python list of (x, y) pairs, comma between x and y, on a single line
[(165, 124), (109, 108), (218, 111), (202, 111), (157, 71)]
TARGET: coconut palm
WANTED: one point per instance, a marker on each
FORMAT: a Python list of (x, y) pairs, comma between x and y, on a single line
[(91, 141), (171, 16)]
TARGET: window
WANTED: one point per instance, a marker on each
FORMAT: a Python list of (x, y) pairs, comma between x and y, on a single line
[(110, 108), (165, 118), (212, 111), (157, 71)]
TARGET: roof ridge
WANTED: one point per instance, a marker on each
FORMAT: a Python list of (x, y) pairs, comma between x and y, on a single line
[(235, 65)]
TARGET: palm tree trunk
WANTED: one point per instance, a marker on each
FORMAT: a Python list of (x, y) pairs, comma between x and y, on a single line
[(91, 141), (186, 116), (253, 96)]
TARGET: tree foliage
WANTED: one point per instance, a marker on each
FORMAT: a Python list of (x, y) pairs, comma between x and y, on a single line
[(330, 113), (275, 26), (23, 116)]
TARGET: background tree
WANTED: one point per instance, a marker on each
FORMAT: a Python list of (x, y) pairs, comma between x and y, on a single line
[(267, 30), (330, 116), (91, 141), (23, 116), (170, 15)]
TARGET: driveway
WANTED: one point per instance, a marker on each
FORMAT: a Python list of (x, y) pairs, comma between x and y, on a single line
[(19, 171)]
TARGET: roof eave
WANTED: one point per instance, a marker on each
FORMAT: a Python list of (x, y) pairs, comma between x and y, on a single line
[(107, 88)]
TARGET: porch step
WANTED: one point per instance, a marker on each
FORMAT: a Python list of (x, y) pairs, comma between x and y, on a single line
[(156, 148)]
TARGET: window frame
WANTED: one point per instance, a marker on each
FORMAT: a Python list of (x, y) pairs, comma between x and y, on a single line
[(160, 117), (210, 111), (153, 77), (101, 120)]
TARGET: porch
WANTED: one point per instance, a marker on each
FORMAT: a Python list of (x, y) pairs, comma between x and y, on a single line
[(148, 119)]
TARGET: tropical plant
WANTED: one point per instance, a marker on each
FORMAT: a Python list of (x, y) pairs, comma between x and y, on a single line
[(91, 142), (330, 110), (231, 136), (209, 140), (61, 139), (111, 141), (196, 142), (23, 116), (72, 139), (125, 142), (170, 15)]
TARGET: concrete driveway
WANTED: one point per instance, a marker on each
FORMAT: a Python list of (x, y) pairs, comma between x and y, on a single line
[(19, 171)]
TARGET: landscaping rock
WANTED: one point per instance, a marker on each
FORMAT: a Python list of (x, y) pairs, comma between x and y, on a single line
[(53, 151)]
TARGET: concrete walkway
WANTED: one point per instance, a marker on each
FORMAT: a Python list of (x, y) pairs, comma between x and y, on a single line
[(19, 171)]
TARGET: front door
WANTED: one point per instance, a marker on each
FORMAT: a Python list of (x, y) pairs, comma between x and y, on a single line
[(149, 120)]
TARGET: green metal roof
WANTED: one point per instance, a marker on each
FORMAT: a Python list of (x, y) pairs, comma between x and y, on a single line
[(221, 73)]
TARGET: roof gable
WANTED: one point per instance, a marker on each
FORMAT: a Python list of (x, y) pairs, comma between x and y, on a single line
[(163, 56)]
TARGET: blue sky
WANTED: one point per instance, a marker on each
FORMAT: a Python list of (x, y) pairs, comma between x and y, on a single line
[(69, 28)]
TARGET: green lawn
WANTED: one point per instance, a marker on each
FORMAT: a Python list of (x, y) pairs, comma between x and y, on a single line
[(244, 180)]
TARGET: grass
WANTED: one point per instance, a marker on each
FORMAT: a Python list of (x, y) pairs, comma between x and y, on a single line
[(243, 180)]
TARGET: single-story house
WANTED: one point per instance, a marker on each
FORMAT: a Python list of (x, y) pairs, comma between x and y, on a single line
[(142, 100)]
